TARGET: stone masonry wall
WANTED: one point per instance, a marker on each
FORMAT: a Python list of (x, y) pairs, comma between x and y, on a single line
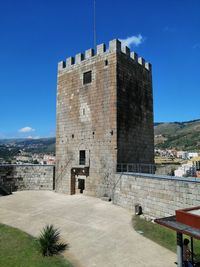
[(135, 131), (27, 177), (159, 196)]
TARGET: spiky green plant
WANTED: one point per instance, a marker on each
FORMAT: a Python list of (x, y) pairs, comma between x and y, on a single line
[(49, 241)]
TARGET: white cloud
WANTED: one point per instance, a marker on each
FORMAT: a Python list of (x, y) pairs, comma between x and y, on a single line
[(33, 137), (132, 40), (29, 137), (26, 129)]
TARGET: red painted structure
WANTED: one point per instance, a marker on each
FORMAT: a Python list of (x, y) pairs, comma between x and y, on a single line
[(186, 217), (186, 221)]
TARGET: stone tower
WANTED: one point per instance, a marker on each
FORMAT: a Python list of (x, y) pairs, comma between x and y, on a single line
[(104, 117)]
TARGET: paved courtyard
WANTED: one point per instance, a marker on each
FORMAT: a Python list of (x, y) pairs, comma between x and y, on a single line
[(99, 233)]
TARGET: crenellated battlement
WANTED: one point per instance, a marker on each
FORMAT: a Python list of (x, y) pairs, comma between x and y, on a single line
[(114, 46)]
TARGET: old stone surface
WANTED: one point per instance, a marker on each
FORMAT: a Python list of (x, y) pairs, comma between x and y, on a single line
[(27, 177), (110, 118), (159, 196)]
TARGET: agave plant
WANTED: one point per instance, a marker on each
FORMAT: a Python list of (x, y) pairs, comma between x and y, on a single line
[(49, 241)]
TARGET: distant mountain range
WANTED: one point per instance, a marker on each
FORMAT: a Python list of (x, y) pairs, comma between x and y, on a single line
[(32, 145), (12, 147), (180, 135)]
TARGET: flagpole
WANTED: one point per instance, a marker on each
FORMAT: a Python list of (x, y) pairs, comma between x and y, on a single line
[(95, 41)]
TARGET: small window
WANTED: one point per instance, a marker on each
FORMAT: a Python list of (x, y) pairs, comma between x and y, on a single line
[(82, 157), (106, 62), (87, 77)]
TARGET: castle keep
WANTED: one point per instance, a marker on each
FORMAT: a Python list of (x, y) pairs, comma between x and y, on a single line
[(104, 117)]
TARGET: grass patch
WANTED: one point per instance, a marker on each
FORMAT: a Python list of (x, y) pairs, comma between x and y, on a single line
[(18, 249), (161, 235)]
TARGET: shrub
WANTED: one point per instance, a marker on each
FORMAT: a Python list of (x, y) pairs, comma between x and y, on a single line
[(49, 241)]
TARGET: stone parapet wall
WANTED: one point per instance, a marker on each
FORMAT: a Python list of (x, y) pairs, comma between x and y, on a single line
[(159, 196), (27, 177)]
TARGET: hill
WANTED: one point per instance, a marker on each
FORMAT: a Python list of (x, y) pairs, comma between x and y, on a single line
[(43, 145), (179, 135), (11, 147)]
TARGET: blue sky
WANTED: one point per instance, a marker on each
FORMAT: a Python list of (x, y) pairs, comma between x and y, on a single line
[(35, 35)]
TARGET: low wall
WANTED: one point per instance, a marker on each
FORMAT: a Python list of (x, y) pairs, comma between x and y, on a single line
[(27, 177), (159, 196)]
